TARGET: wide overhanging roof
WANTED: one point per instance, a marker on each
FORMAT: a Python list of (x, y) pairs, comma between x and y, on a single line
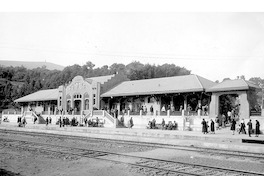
[(42, 95), (233, 85), (176, 84)]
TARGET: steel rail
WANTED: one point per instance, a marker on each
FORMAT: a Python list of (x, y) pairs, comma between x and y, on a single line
[(167, 166), (258, 156)]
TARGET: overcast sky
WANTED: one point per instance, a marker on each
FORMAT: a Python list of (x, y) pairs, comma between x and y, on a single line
[(213, 45)]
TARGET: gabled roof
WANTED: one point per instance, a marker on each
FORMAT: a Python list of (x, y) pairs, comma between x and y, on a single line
[(176, 84), (42, 95), (101, 79), (231, 85)]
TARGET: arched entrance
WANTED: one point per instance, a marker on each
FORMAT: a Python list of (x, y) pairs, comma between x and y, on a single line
[(77, 107), (240, 102), (77, 104), (229, 102)]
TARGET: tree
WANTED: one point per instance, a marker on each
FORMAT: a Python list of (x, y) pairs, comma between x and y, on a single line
[(225, 79), (257, 98)]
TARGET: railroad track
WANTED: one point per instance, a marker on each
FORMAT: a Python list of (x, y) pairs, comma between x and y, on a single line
[(256, 157), (146, 165)]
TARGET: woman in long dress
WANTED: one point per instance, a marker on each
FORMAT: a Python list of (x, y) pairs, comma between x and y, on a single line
[(233, 126), (204, 126), (257, 128), (212, 127)]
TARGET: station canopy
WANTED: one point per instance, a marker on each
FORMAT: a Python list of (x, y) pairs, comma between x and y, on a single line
[(175, 84), (233, 85), (42, 95)]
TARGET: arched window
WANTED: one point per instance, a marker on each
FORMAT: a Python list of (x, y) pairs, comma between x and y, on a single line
[(68, 105), (86, 104), (68, 97), (86, 95)]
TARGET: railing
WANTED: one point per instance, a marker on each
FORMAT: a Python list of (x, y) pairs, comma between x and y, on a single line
[(109, 117), (35, 115), (77, 113), (45, 112), (98, 112), (255, 113), (175, 113), (11, 112), (87, 115), (190, 113), (134, 113), (162, 113), (28, 113), (144, 113)]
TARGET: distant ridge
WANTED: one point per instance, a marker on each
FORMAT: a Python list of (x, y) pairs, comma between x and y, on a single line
[(31, 65)]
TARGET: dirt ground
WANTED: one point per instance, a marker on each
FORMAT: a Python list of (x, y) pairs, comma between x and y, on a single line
[(27, 163)]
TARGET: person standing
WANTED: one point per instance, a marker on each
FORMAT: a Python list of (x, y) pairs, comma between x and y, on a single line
[(47, 121), (163, 124), (60, 122), (242, 127), (217, 123), (249, 128), (223, 120), (189, 109), (24, 122), (257, 128), (204, 126), (130, 123), (233, 126), (163, 108), (172, 108), (151, 110), (212, 127), (154, 123), (229, 114)]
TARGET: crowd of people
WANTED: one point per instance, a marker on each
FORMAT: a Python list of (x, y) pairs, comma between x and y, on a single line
[(21, 121), (206, 127), (65, 121), (169, 126)]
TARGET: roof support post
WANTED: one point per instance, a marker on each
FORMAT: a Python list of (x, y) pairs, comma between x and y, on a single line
[(185, 102), (244, 105), (214, 105), (49, 110), (22, 109)]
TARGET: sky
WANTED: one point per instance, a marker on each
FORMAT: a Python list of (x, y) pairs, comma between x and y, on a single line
[(214, 45)]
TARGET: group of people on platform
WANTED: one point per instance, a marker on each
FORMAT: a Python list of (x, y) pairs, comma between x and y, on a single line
[(241, 129), (48, 121), (92, 123), (21, 121), (170, 126), (65, 121), (205, 126), (130, 122)]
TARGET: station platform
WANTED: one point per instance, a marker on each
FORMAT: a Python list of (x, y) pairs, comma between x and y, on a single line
[(222, 139)]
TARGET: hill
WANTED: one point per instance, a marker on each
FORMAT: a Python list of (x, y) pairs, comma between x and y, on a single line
[(31, 65)]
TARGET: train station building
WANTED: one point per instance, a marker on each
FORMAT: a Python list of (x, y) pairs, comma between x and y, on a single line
[(185, 99)]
